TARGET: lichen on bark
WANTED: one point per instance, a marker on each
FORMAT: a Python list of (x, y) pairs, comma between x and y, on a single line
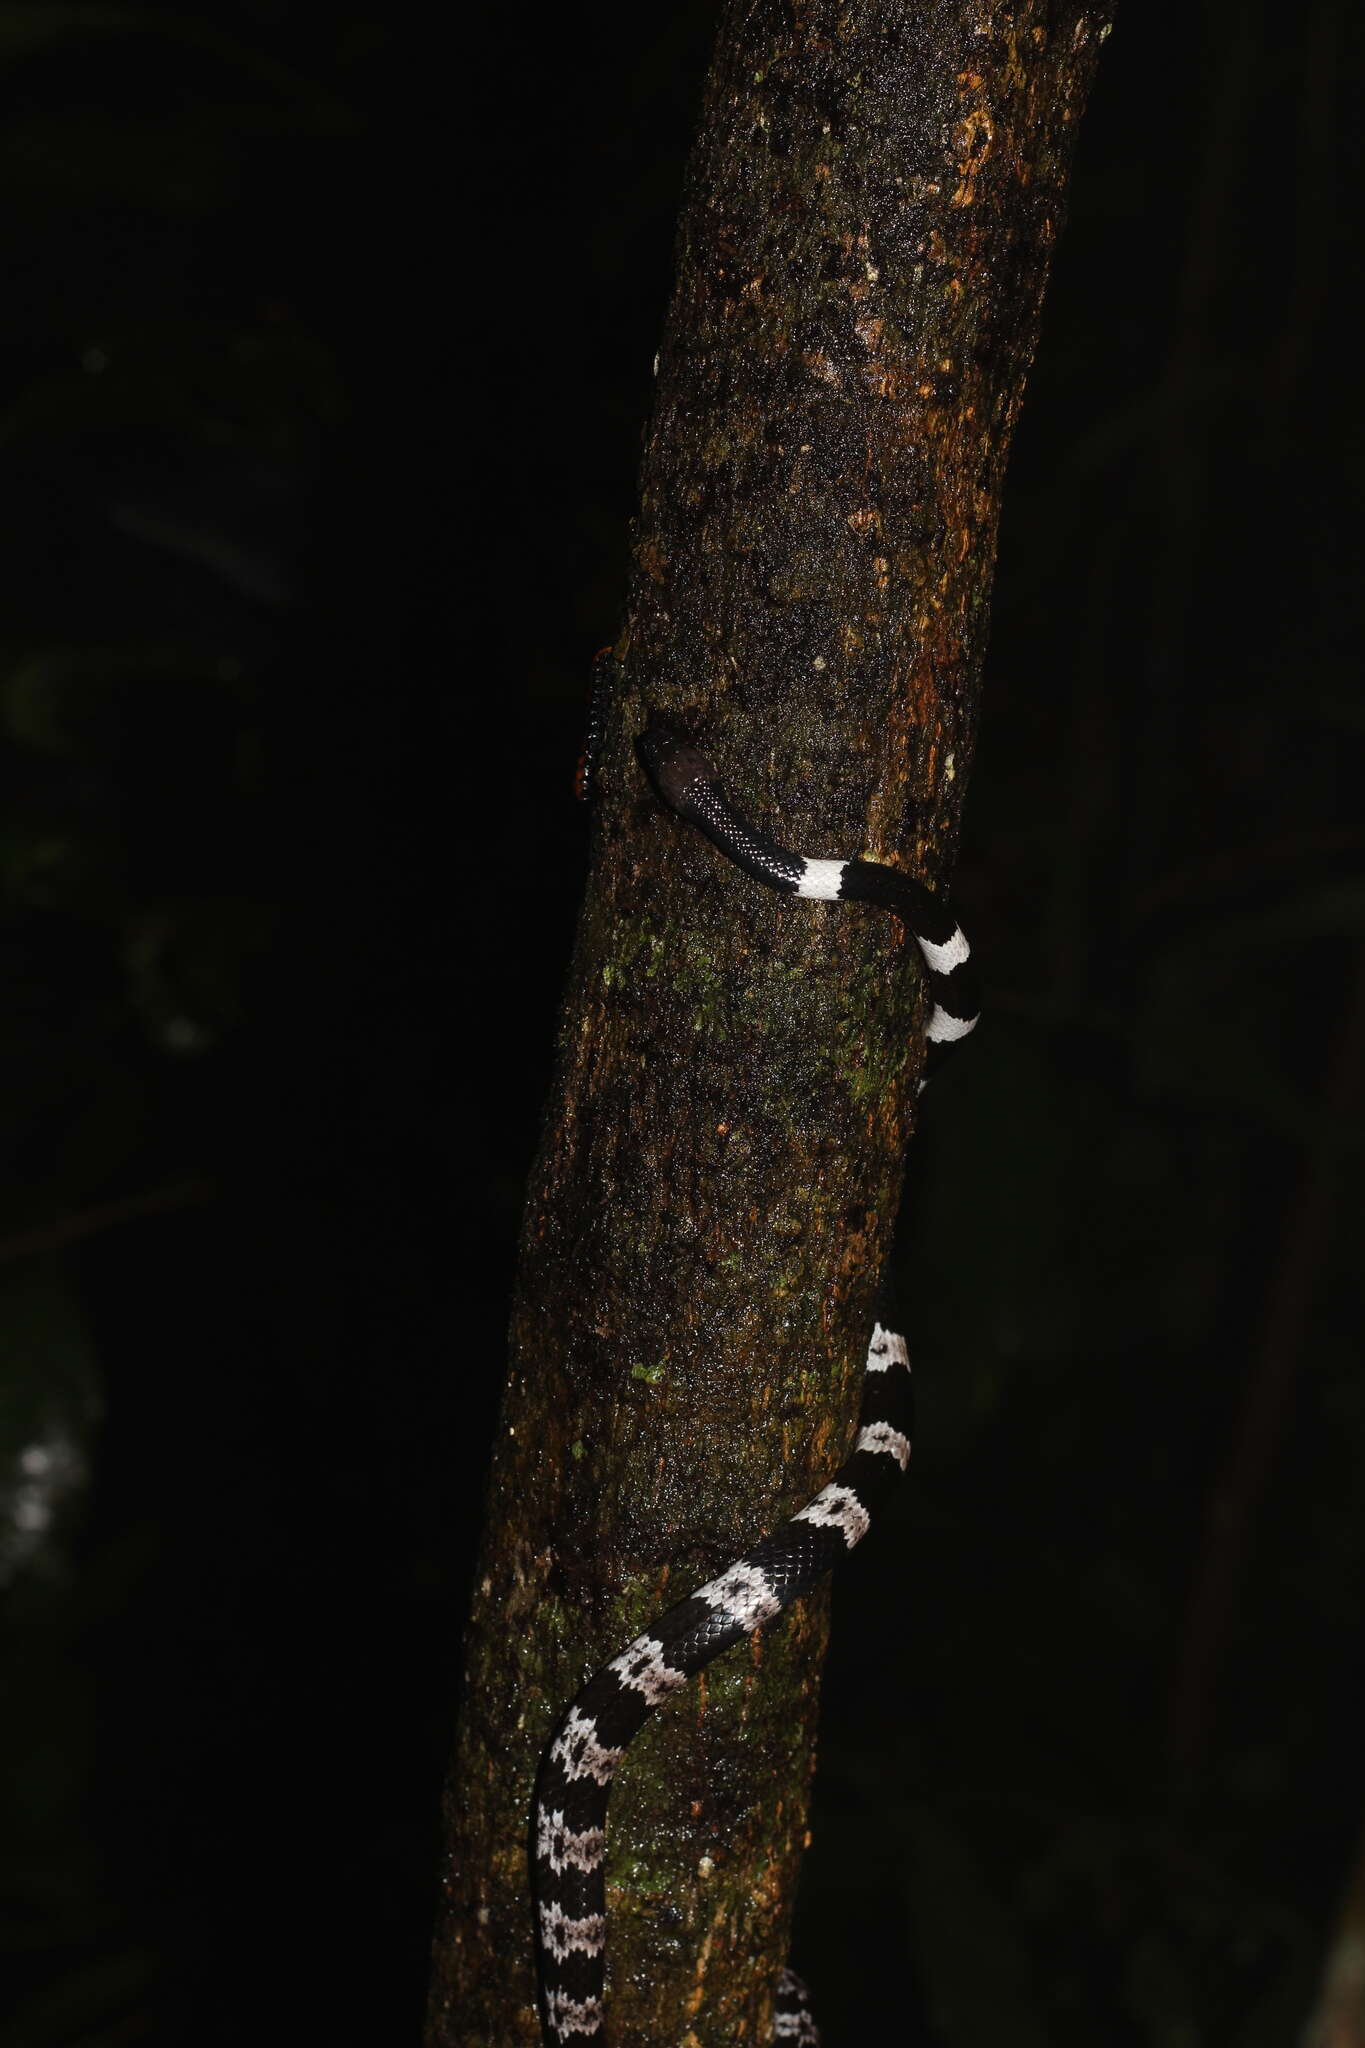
[(870, 211)]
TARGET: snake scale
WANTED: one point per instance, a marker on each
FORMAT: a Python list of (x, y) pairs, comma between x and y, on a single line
[(592, 1736)]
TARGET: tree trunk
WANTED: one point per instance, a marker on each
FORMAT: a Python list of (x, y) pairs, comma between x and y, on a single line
[(870, 211), (1338, 2019)]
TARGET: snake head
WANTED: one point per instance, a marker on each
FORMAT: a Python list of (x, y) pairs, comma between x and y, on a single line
[(673, 764)]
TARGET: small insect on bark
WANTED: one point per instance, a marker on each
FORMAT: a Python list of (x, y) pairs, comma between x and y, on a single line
[(605, 671)]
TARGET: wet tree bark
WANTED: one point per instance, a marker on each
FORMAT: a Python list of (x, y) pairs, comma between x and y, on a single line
[(870, 211)]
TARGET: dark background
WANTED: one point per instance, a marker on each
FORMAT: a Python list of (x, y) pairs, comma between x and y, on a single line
[(325, 353)]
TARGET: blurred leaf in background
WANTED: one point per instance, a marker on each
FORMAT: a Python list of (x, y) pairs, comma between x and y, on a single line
[(162, 420)]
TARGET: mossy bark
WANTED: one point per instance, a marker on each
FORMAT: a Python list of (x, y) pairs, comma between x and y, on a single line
[(871, 207)]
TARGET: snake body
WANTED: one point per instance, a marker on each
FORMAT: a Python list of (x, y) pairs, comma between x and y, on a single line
[(593, 1734)]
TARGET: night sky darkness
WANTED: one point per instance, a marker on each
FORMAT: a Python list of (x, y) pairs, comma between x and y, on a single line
[(326, 362)]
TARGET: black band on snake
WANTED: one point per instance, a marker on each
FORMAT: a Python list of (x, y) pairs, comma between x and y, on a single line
[(592, 1736)]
